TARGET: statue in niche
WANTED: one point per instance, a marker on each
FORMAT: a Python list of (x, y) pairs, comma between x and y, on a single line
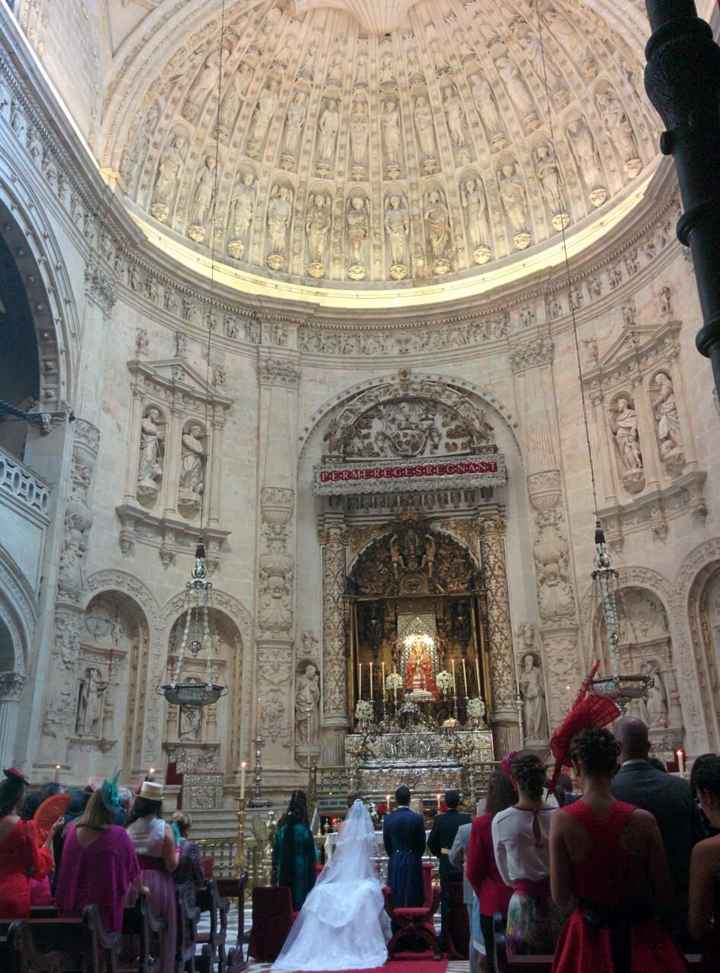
[(278, 220), (327, 134), (428, 558), (205, 82), (242, 210), (620, 130), (166, 179), (586, 156), (190, 723), (426, 133), (150, 470), (91, 695), (390, 124), (654, 709), (359, 131), (397, 225), (358, 228), (667, 421), (307, 706), (263, 115), (192, 468), (512, 193), (317, 228), (472, 197), (437, 221), (532, 692), (297, 110), (202, 203), (488, 109), (455, 117), (230, 105), (548, 173), (517, 90), (665, 301), (624, 425)]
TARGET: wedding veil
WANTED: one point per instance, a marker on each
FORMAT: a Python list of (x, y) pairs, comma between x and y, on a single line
[(352, 859)]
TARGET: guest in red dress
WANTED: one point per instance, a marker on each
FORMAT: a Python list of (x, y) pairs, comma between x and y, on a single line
[(704, 912), (607, 859), (21, 856), (482, 872)]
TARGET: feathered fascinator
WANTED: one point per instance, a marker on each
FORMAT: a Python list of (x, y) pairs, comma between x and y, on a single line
[(12, 774), (588, 710), (110, 795)]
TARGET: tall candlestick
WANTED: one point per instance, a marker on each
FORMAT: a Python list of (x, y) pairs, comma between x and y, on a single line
[(477, 674), (371, 683), (452, 663), (243, 770), (395, 690), (383, 680), (359, 680), (464, 675)]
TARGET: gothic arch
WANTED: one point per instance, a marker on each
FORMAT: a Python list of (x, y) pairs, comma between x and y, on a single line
[(18, 609)]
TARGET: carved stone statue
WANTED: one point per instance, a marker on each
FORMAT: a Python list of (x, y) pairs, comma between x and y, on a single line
[(548, 173), (455, 117), (263, 115), (488, 109), (397, 226), (297, 110), (667, 421), (327, 134), (317, 228), (242, 210), (624, 425), (472, 197), (167, 176), (230, 105), (657, 700), (150, 470), (425, 133), (620, 130), (532, 691), (278, 220), (192, 468), (202, 203), (517, 90), (205, 82), (390, 123), (190, 723), (358, 228), (512, 193), (91, 693), (307, 706), (588, 161), (437, 223), (359, 131)]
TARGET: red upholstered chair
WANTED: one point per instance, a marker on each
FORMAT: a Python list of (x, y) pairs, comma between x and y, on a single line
[(413, 926), (272, 919)]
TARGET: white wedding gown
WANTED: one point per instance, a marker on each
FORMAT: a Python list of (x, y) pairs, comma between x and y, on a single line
[(343, 924)]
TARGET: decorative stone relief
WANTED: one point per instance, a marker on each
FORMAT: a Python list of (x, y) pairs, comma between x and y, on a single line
[(333, 541), (358, 228), (202, 202), (307, 705), (242, 213), (624, 426), (275, 616), (78, 512), (193, 462), (531, 685), (397, 227), (667, 422), (317, 227), (438, 232), (472, 197), (502, 663), (279, 215), (512, 193)]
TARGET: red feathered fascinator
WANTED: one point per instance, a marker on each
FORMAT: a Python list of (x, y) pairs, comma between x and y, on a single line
[(588, 710)]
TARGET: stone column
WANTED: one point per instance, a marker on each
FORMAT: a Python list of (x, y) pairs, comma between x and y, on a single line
[(333, 539), (504, 715), (11, 687)]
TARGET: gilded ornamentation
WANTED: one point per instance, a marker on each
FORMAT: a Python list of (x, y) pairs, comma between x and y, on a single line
[(502, 664)]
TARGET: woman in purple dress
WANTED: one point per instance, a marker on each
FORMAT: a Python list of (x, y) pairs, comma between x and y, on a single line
[(155, 846), (99, 864)]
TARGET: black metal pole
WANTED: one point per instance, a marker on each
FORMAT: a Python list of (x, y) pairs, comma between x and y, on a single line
[(682, 79)]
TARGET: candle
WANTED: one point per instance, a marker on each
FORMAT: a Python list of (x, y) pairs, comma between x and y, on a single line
[(383, 680), (464, 675), (151, 772), (439, 801), (387, 802), (680, 754), (395, 689), (477, 674), (359, 680), (57, 773), (452, 662), (243, 770), (371, 684)]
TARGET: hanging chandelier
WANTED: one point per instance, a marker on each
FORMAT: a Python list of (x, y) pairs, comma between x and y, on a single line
[(197, 637)]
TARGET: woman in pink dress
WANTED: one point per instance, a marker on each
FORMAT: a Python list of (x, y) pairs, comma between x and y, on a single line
[(22, 858), (99, 865), (155, 846)]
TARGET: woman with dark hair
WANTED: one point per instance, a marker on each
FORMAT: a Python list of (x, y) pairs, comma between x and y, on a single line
[(99, 864), (698, 764), (492, 893), (520, 840), (155, 846), (608, 861), (294, 850), (22, 858), (189, 859), (704, 910)]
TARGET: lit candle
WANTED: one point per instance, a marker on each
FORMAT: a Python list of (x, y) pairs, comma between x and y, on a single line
[(151, 772), (452, 662), (383, 680), (387, 802), (57, 773), (680, 754), (464, 675), (371, 683), (359, 680), (477, 674), (243, 770), (439, 801)]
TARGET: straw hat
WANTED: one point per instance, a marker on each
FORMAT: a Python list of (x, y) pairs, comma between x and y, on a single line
[(151, 790)]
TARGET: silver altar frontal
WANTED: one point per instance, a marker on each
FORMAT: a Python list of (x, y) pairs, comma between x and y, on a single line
[(427, 760)]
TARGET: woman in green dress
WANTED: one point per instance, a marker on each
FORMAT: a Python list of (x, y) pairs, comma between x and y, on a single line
[(294, 850)]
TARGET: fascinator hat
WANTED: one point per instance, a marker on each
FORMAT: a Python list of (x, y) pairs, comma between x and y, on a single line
[(110, 795)]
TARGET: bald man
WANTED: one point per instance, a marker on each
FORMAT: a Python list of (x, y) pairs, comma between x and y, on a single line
[(669, 799)]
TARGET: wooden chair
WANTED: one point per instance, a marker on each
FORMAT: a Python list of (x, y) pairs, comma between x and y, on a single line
[(234, 888), (414, 925), (458, 926), (272, 919), (188, 916), (213, 942), (142, 939)]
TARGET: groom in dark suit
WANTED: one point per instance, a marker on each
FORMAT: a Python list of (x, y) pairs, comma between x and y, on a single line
[(404, 839)]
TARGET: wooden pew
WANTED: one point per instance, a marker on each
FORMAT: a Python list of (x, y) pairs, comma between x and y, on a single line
[(142, 939), (44, 945), (234, 888), (188, 915), (213, 943)]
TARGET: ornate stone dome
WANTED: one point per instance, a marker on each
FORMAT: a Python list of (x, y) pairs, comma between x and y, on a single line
[(357, 159)]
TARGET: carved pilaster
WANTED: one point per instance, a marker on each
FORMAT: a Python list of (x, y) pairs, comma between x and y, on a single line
[(333, 539)]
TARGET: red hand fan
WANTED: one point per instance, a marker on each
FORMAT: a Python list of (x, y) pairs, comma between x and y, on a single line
[(49, 811)]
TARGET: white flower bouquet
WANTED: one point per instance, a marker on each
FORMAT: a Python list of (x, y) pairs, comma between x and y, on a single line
[(444, 681), (393, 682), (364, 711), (476, 708)]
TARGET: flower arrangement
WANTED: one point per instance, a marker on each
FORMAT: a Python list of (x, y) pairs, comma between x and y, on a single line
[(444, 681), (393, 682), (364, 711), (476, 708)]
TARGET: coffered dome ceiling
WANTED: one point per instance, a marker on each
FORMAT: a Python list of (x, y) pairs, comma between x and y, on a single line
[(378, 145)]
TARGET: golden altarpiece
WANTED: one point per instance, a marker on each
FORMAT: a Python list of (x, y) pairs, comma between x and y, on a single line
[(415, 594)]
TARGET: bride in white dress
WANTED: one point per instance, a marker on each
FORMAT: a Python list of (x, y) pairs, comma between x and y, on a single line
[(343, 924)]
